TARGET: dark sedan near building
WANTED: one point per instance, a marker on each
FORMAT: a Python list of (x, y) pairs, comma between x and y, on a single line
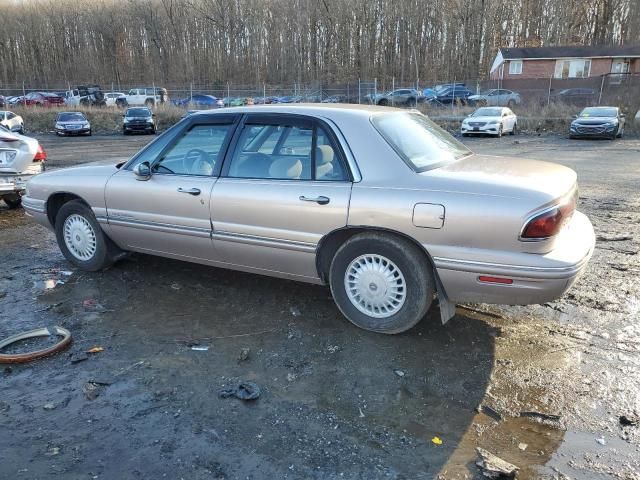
[(138, 119), (601, 122)]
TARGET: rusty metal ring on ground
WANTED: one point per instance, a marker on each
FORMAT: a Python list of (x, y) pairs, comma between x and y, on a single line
[(38, 332)]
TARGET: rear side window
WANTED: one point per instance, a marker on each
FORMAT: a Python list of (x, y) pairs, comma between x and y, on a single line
[(419, 142), (286, 152)]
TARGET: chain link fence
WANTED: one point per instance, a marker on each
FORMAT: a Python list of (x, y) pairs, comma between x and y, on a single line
[(622, 90)]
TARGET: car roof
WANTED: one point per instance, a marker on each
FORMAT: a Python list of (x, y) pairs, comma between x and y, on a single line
[(313, 109)]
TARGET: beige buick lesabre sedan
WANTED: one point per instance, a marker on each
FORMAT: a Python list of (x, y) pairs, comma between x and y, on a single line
[(380, 204)]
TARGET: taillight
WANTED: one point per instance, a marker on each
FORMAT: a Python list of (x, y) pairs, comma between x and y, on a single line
[(550, 222), (41, 155)]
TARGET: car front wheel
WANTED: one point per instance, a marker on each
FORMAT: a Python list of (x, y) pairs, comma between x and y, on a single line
[(381, 283), (81, 239)]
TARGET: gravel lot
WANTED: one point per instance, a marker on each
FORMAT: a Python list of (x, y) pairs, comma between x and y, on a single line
[(337, 402)]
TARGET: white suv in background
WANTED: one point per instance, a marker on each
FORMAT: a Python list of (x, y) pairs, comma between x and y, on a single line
[(13, 122), (147, 96)]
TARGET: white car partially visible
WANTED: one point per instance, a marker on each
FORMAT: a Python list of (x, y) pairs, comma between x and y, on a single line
[(21, 158), (490, 121), (110, 98), (637, 120), (13, 122)]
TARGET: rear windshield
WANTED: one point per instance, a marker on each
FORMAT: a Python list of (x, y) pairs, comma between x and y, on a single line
[(419, 141), (70, 117), (138, 112), (599, 112)]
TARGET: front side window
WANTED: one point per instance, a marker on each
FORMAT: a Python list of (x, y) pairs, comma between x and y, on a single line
[(197, 152), (419, 142), (515, 67), (286, 152)]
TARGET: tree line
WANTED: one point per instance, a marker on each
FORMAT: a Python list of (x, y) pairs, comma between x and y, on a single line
[(59, 42)]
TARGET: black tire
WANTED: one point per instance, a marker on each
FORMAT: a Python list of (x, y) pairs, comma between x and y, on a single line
[(511, 104), (89, 133), (620, 133), (500, 131), (21, 131), (149, 103), (384, 102), (106, 251), (514, 130), (13, 200), (125, 131), (409, 260)]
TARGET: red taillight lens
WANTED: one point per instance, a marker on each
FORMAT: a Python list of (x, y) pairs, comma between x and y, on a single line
[(549, 223), (41, 155)]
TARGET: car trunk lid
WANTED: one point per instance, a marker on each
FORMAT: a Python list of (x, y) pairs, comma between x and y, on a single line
[(14, 148)]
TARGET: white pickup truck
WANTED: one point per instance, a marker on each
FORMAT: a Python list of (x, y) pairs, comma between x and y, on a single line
[(147, 96)]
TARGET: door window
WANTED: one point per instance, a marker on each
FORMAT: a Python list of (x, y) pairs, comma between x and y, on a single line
[(286, 152), (197, 152)]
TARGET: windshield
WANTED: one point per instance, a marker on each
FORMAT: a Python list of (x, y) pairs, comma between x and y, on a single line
[(487, 112), (138, 112), (599, 112), (71, 117), (419, 141)]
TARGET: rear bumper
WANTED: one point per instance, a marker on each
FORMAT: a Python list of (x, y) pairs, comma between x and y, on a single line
[(537, 278), (13, 183)]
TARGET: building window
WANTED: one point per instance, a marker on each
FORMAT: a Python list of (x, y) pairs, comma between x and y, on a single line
[(620, 66), (574, 68), (515, 67)]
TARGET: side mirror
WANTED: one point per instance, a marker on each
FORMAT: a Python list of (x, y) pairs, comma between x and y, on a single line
[(142, 171)]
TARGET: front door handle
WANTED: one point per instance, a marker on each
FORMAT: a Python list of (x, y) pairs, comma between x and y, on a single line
[(190, 191), (322, 200)]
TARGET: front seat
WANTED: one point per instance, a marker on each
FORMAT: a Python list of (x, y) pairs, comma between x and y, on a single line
[(324, 162), (286, 168)]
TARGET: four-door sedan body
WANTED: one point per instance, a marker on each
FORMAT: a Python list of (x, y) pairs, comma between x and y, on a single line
[(13, 122), (380, 204), (138, 119), (496, 97), (599, 122), (72, 123), (490, 121)]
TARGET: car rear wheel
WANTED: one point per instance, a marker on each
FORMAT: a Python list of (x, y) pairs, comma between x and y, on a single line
[(384, 102), (13, 200), (21, 131), (514, 130), (81, 239), (381, 283)]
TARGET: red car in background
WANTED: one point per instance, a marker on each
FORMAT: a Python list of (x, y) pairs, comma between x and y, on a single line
[(43, 99)]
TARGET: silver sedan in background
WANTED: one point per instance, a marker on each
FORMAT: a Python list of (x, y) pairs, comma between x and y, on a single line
[(380, 204)]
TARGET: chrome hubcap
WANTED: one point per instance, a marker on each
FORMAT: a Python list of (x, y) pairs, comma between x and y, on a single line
[(375, 286), (79, 237)]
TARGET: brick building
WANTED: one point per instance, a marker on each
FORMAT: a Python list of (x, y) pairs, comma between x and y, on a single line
[(564, 62)]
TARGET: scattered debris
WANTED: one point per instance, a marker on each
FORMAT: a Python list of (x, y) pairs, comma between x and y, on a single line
[(49, 406), (601, 440), (52, 451), (491, 412), (78, 357), (541, 416), (244, 355), (175, 286), (47, 284), (629, 420), (522, 446), (38, 332), (493, 466), (91, 390), (436, 441), (95, 350), (4, 406), (243, 391), (295, 311), (361, 413), (200, 348), (92, 305), (333, 348), (613, 238), (399, 373), (291, 377), (3, 294)]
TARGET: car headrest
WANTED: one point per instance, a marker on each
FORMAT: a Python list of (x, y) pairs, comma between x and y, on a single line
[(286, 168), (324, 155)]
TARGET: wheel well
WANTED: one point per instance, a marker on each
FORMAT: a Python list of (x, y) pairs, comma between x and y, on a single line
[(330, 243), (55, 203)]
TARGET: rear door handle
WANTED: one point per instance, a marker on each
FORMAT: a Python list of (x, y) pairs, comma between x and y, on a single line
[(322, 200), (190, 191)]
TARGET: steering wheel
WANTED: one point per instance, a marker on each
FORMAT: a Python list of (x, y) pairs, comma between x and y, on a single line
[(196, 162)]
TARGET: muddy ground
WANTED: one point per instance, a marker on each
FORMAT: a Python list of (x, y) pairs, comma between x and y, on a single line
[(336, 402)]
